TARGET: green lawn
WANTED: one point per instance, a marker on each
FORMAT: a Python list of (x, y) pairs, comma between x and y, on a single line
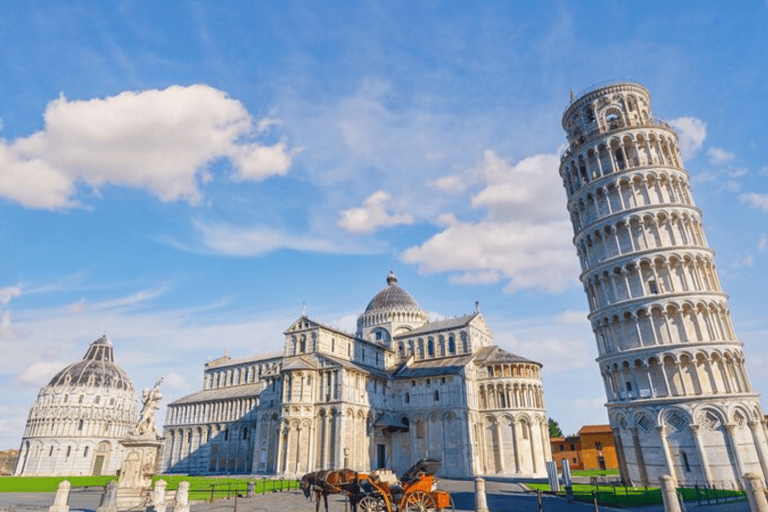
[(633, 496), (200, 487), (594, 472)]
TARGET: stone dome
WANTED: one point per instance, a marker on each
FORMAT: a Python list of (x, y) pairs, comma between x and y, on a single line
[(97, 369), (392, 297)]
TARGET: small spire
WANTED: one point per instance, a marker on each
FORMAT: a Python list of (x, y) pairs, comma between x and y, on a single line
[(303, 309), (391, 278), (571, 93), (226, 353), (477, 306)]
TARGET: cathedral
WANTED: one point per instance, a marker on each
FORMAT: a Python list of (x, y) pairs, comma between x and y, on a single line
[(78, 419), (400, 389)]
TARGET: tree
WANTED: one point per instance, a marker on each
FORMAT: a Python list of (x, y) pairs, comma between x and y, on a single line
[(554, 429)]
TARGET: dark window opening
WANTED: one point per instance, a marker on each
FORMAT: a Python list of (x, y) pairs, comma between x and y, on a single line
[(685, 462)]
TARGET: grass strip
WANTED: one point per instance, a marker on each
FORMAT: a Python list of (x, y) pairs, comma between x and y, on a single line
[(621, 496), (200, 487)]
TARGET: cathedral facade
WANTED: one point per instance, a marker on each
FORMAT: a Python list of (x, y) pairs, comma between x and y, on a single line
[(78, 419), (680, 401), (400, 389)]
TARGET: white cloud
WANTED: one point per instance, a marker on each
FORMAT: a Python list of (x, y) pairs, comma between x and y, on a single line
[(158, 140), (7, 331), (531, 189), (8, 293), (719, 156), (755, 200), (762, 244), (40, 373), (372, 215), (524, 237), (692, 132), (573, 317), (175, 381), (745, 261), (451, 184), (239, 241)]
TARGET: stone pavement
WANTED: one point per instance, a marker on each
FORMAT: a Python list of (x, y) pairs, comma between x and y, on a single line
[(501, 496)]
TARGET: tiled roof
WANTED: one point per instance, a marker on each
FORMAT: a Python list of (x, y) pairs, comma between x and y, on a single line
[(434, 367), (439, 325), (209, 395), (595, 429), (228, 361), (494, 354)]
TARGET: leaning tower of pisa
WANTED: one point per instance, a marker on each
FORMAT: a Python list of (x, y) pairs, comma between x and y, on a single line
[(679, 397)]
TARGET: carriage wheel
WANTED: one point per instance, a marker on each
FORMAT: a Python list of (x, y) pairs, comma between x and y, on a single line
[(371, 504), (419, 501)]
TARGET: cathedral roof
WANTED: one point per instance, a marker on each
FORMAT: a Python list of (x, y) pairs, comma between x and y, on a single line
[(440, 325), (97, 368), (207, 395), (392, 297), (434, 367), (494, 354)]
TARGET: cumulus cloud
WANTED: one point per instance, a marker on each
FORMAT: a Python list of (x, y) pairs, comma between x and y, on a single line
[(158, 140), (759, 201), (524, 237), (692, 132), (372, 215), (719, 156)]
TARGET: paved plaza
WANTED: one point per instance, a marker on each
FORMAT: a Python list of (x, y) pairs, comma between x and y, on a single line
[(501, 497)]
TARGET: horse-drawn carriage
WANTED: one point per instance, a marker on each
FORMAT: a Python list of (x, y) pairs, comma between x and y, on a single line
[(380, 491)]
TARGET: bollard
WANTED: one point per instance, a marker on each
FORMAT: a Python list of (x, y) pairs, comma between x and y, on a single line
[(538, 498), (158, 496), (251, 492), (182, 498), (669, 494), (213, 487), (755, 493), (481, 505), (594, 500), (235, 508), (109, 498), (62, 498)]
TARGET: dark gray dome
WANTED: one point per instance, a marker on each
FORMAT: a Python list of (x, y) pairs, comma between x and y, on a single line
[(97, 369), (392, 297)]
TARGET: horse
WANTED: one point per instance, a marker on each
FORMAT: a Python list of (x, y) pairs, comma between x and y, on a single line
[(323, 483)]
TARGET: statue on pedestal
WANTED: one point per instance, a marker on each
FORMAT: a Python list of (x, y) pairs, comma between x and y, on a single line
[(142, 447), (150, 399)]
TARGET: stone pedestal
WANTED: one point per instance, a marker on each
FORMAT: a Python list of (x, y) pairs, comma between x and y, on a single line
[(61, 500), (139, 466), (669, 494), (481, 505)]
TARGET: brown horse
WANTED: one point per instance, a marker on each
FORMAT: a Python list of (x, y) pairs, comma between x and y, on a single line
[(323, 483)]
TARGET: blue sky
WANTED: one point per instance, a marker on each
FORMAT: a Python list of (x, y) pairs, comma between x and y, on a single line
[(184, 176)]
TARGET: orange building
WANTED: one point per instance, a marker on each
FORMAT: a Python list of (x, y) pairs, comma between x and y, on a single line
[(593, 448), (567, 448)]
